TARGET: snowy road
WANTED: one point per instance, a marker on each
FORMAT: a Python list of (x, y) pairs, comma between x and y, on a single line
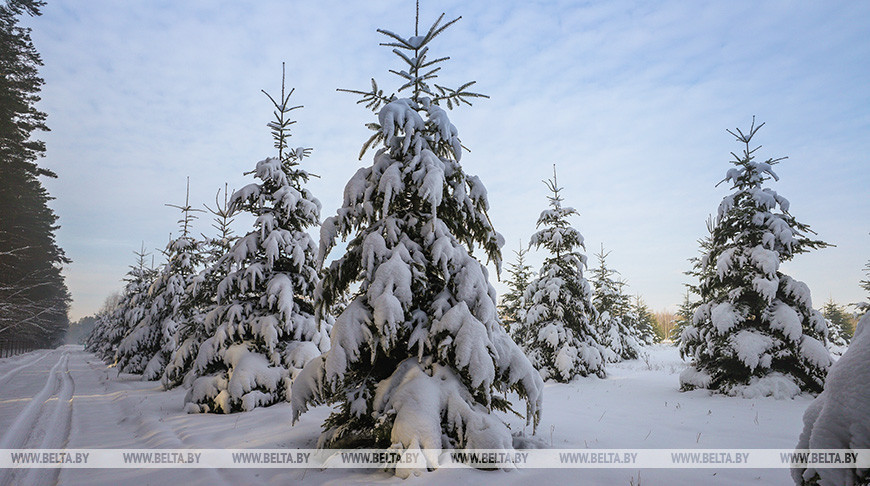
[(67, 398), (37, 406), (40, 408)]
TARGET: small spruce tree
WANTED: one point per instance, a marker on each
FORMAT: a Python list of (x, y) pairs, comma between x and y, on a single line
[(616, 324), (201, 294), (558, 332), (839, 324), (865, 284), (151, 342), (699, 272), (755, 331), (418, 357), (513, 307), (115, 321), (108, 325), (645, 322), (683, 317), (263, 331)]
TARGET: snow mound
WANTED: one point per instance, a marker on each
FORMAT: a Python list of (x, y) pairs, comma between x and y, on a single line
[(839, 418), (776, 385)]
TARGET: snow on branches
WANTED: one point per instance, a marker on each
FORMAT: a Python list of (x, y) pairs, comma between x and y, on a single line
[(513, 306), (754, 331), (262, 330), (558, 332), (618, 325), (202, 295), (418, 357), (149, 344)]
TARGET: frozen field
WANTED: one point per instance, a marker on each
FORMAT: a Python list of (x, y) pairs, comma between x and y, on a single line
[(66, 398)]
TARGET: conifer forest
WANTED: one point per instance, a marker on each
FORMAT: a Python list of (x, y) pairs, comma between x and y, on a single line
[(609, 243)]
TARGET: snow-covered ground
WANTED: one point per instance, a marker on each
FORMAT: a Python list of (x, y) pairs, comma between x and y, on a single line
[(66, 398)]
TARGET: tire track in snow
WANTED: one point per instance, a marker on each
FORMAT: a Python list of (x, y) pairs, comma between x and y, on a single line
[(58, 428), (27, 420), (22, 426), (11, 373)]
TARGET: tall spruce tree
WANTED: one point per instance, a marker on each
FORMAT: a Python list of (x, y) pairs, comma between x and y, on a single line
[(755, 331), (558, 333), (616, 325), (33, 296), (263, 329), (418, 357), (513, 307)]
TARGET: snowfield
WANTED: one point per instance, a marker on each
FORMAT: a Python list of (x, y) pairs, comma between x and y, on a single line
[(67, 398)]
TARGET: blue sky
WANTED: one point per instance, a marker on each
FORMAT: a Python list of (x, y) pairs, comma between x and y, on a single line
[(630, 100)]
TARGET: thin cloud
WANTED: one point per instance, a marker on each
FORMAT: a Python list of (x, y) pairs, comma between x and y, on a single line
[(630, 99)]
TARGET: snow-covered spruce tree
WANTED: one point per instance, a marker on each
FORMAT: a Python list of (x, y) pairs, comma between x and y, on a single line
[(147, 347), (700, 272), (263, 329), (839, 418), (201, 294), (512, 309), (419, 357), (558, 332), (108, 323), (683, 317), (96, 341), (141, 337), (839, 327), (616, 325), (755, 331), (645, 322), (136, 304), (865, 284), (113, 322)]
